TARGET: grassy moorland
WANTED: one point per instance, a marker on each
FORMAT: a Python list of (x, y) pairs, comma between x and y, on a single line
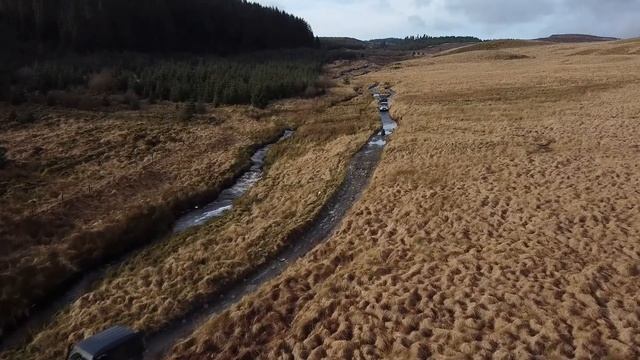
[(81, 186), (84, 172), (165, 280), (503, 221), (494, 45)]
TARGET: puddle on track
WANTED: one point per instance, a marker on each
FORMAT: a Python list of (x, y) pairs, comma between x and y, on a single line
[(359, 172), (193, 218)]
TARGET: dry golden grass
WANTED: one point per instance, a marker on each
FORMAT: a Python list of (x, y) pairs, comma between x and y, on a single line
[(166, 280), (503, 222), (494, 45), (85, 185)]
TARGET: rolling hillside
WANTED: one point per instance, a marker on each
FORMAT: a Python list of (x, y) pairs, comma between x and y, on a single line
[(214, 26)]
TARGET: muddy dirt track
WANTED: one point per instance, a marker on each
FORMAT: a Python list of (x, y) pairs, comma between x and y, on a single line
[(359, 173)]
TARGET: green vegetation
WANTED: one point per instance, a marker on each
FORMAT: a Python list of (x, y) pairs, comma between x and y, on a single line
[(408, 43), (178, 50), (342, 43), (255, 78), (421, 41)]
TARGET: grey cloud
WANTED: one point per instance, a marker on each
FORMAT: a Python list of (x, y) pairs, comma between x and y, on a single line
[(529, 18), (599, 6), (422, 3), (502, 12), (613, 17), (483, 18), (417, 21)]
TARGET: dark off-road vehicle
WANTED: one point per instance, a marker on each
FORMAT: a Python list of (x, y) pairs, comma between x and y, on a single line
[(116, 343)]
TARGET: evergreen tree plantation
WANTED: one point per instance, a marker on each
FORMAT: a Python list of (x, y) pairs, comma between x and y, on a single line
[(213, 26), (254, 78)]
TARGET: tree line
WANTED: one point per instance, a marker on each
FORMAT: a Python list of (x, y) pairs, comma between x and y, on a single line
[(219, 51), (422, 41), (198, 26), (252, 78), (414, 42)]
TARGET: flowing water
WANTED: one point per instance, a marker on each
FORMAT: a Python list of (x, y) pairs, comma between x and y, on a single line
[(198, 216), (225, 200), (360, 170)]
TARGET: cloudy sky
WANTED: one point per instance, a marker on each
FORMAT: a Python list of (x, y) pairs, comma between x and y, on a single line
[(488, 19)]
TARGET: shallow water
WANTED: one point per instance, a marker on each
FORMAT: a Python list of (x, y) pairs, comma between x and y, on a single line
[(359, 171), (225, 200), (388, 124), (196, 217)]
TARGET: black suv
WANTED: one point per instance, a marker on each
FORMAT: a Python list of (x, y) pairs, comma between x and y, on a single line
[(116, 343)]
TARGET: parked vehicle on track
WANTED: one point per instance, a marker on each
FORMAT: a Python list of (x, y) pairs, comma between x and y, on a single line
[(116, 343), (383, 105)]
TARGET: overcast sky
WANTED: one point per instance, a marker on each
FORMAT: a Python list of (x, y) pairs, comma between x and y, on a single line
[(487, 19)]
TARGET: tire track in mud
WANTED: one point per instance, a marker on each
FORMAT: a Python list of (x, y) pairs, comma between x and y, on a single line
[(359, 172)]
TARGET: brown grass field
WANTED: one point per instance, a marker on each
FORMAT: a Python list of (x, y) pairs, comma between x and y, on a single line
[(493, 45), (82, 186), (165, 280), (503, 222)]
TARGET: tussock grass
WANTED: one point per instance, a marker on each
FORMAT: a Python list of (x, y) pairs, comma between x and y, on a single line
[(622, 47), (167, 279), (486, 55), (83, 186), (495, 226), (494, 45)]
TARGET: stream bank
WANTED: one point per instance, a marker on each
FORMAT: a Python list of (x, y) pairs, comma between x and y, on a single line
[(196, 216), (359, 172)]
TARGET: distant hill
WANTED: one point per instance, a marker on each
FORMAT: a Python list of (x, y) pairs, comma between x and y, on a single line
[(386, 42), (494, 45), (422, 41), (356, 44), (343, 43), (575, 38), (408, 43), (211, 26)]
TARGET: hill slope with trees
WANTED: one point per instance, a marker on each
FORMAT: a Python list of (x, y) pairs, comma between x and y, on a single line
[(420, 41), (407, 44), (219, 51), (211, 26)]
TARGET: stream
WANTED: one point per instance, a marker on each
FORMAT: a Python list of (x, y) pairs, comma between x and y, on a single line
[(359, 172), (225, 200), (196, 217)]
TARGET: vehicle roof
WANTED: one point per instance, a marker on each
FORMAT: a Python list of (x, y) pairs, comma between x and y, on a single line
[(106, 340)]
